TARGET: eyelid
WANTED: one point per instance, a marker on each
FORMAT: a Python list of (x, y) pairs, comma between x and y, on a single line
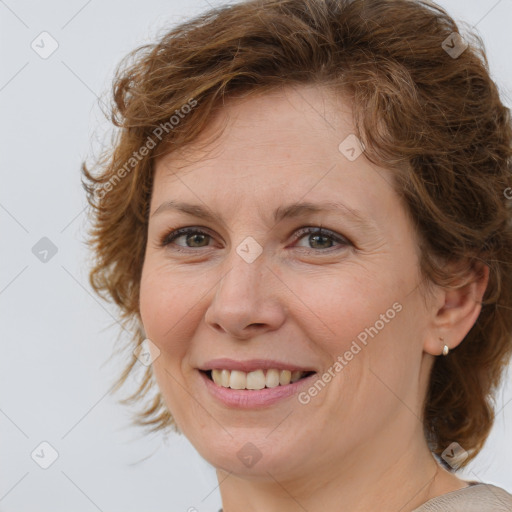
[(320, 230), (169, 236), (340, 242)]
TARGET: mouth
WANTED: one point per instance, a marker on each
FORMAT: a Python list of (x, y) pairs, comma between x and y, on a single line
[(254, 383), (255, 380)]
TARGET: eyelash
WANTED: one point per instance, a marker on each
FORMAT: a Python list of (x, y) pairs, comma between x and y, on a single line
[(169, 237)]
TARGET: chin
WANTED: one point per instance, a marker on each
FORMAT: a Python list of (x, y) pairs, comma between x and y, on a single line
[(251, 454)]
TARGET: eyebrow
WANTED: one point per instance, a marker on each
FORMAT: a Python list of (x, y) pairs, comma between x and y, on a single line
[(283, 212)]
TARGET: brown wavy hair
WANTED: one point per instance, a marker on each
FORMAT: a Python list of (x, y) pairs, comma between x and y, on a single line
[(434, 119)]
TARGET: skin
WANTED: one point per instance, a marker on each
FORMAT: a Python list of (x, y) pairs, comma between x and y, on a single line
[(358, 445)]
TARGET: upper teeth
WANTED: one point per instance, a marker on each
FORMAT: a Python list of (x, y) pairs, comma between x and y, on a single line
[(257, 379)]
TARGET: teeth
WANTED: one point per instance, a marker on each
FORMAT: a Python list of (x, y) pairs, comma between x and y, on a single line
[(221, 377), (257, 379), (285, 377), (272, 378), (216, 376), (224, 378), (295, 376), (238, 380)]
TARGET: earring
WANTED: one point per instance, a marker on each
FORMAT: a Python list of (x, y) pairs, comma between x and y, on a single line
[(445, 348)]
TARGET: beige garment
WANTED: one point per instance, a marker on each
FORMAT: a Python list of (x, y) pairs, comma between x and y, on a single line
[(478, 497)]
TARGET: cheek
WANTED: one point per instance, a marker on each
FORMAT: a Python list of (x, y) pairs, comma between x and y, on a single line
[(161, 302), (365, 322), (150, 301), (170, 308), (162, 307), (347, 306)]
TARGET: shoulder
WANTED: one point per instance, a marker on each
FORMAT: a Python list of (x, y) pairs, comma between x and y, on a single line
[(478, 497)]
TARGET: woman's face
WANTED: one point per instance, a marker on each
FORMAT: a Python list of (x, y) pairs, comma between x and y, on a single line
[(259, 289)]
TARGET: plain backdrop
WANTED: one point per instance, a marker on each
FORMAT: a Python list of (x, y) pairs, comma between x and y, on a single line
[(56, 336)]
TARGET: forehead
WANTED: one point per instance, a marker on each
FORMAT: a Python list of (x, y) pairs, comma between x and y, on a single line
[(289, 121), (272, 147)]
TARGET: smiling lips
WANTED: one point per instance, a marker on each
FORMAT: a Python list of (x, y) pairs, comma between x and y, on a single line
[(257, 379), (253, 375), (255, 384)]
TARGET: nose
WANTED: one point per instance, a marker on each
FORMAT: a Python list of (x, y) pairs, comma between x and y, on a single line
[(247, 300)]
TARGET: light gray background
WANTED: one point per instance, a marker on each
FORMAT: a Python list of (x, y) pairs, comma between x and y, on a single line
[(56, 337)]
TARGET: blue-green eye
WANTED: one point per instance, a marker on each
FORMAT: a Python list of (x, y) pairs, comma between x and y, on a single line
[(190, 235), (194, 238), (319, 237)]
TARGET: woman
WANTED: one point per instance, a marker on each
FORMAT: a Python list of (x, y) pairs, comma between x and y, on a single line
[(304, 222)]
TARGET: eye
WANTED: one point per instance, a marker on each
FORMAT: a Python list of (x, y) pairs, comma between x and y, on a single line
[(319, 237), (195, 237)]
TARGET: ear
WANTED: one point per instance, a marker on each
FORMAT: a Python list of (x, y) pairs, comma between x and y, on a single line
[(455, 311)]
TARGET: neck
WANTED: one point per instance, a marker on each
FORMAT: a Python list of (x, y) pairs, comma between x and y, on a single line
[(346, 486)]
